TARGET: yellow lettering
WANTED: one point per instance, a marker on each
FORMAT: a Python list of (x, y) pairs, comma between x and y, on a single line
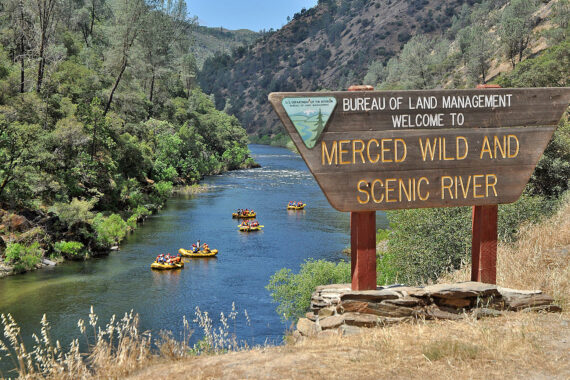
[(497, 144), (389, 189), (373, 192), (359, 187), (325, 153), (489, 184), (476, 186), (444, 151), (465, 188), (368, 151), (444, 186), (457, 139), (396, 141), (360, 150), (509, 137), (486, 148), (429, 148), (426, 197), (407, 192), (341, 151), (384, 150)]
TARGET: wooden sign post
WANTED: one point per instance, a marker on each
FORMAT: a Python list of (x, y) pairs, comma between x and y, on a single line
[(384, 150)]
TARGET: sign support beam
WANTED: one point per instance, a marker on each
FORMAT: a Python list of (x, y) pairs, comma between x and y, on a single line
[(363, 240), (484, 237), (363, 250)]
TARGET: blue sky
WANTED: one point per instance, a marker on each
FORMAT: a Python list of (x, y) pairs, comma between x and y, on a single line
[(246, 14)]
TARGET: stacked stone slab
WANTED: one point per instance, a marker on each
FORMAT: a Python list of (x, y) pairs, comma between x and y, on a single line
[(337, 308)]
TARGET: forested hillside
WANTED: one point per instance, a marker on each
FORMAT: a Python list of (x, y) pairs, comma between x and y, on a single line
[(206, 41), (393, 44), (99, 112)]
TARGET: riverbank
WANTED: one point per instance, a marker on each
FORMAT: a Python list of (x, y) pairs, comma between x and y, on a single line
[(32, 239)]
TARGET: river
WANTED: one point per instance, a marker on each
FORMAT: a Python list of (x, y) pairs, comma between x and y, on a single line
[(122, 281)]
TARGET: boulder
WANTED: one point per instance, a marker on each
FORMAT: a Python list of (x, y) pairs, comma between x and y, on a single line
[(434, 312), (326, 312), (331, 322), (307, 328), (18, 223), (311, 316), (360, 320)]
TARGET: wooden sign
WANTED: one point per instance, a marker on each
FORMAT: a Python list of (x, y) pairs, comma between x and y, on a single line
[(382, 150)]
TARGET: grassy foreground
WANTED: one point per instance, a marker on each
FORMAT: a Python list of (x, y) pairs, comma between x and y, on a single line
[(516, 345)]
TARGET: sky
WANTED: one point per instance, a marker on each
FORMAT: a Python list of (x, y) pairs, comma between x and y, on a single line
[(246, 14)]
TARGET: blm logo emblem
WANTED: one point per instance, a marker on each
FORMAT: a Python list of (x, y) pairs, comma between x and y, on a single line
[(309, 116)]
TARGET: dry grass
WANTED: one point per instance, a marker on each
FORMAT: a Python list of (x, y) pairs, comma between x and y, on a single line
[(540, 259), (113, 351), (512, 347)]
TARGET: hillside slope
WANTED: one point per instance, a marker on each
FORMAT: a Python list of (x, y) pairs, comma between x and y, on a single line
[(209, 41), (327, 47)]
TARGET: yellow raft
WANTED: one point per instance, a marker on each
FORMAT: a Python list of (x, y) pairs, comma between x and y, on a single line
[(296, 207), (189, 253), (244, 216), (162, 266), (249, 228)]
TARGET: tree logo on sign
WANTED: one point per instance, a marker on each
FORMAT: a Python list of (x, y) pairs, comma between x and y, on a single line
[(309, 116)]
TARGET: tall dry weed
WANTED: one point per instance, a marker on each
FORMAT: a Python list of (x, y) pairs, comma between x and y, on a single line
[(110, 351), (539, 259)]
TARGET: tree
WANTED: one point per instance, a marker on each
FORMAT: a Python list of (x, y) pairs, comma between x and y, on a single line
[(515, 28), (479, 53), (18, 34), (18, 153), (421, 62), (45, 12), (128, 16)]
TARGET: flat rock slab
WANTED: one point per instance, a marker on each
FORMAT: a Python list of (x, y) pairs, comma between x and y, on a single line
[(370, 295), (360, 320), (461, 290), (331, 322)]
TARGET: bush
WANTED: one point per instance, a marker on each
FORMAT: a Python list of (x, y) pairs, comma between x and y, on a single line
[(293, 291), (110, 230), (140, 213), (75, 211), (69, 249), (425, 243), (23, 257)]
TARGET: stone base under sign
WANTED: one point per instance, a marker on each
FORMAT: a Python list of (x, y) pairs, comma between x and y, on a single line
[(336, 308)]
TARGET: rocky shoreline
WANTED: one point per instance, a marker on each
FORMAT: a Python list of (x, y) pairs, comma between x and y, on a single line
[(336, 309)]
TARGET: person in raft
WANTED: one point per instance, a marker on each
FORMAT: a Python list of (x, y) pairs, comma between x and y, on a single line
[(194, 248), (206, 248)]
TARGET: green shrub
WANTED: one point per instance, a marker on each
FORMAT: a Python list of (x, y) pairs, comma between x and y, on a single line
[(23, 257), (69, 249), (110, 230), (293, 291), (75, 211), (163, 190), (425, 243)]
